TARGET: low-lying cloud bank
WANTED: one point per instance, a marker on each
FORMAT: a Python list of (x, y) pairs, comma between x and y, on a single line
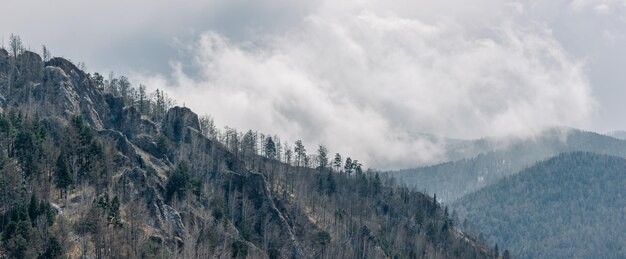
[(367, 83)]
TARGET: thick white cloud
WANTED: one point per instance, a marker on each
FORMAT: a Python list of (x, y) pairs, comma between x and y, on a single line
[(366, 79)]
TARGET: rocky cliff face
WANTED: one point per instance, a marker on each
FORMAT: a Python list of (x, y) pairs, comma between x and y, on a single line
[(177, 120), (54, 88), (30, 65)]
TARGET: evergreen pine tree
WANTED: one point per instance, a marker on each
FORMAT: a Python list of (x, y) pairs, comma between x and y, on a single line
[(62, 172)]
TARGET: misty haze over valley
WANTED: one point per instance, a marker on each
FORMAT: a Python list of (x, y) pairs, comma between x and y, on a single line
[(300, 129)]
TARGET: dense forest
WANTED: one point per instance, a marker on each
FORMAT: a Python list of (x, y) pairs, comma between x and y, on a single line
[(570, 206), (452, 180), (94, 167)]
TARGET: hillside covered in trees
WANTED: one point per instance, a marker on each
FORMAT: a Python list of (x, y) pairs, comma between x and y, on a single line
[(95, 167), (497, 159), (570, 206)]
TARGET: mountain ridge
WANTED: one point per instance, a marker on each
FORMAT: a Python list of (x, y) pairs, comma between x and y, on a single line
[(567, 206), (134, 182), (452, 180)]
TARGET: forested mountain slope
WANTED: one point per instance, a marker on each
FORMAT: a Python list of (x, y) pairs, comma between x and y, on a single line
[(570, 206), (95, 167), (452, 180)]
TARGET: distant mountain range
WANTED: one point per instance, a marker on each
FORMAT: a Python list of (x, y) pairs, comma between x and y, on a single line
[(569, 206), (489, 160)]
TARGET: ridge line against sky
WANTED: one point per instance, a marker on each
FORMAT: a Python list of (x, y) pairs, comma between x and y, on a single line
[(362, 77)]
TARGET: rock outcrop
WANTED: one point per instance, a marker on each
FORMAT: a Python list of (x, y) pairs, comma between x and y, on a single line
[(67, 66), (30, 66), (90, 100), (128, 120), (58, 93), (177, 120)]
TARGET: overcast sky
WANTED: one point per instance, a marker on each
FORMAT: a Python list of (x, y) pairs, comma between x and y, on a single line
[(362, 77)]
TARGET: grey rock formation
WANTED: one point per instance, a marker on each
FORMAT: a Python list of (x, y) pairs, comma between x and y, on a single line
[(177, 120), (128, 119), (59, 92), (30, 66), (148, 144), (172, 218)]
